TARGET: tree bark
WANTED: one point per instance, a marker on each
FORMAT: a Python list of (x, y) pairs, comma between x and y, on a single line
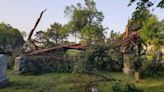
[(36, 24)]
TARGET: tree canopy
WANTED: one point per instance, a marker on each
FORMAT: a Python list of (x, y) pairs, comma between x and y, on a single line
[(152, 30), (148, 3), (10, 37), (57, 33), (86, 21)]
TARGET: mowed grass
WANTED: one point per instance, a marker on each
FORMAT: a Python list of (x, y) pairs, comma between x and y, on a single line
[(67, 82)]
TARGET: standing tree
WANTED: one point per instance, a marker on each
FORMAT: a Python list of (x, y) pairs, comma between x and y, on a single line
[(148, 3), (150, 31), (57, 33), (146, 24), (139, 16), (113, 43), (86, 21)]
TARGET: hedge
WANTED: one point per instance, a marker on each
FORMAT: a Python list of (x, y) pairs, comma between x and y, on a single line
[(41, 64)]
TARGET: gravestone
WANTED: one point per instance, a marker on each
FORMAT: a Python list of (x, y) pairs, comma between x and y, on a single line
[(20, 64), (3, 70), (94, 89)]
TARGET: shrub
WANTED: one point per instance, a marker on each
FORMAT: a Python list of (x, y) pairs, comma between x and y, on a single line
[(96, 59), (128, 87), (11, 62), (150, 68), (41, 64)]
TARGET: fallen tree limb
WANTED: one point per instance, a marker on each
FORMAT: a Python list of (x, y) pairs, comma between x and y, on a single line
[(36, 24), (108, 78)]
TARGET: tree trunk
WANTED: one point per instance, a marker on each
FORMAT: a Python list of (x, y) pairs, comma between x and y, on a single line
[(137, 76)]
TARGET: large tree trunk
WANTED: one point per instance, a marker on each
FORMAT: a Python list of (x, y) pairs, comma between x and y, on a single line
[(36, 24), (128, 61), (137, 76)]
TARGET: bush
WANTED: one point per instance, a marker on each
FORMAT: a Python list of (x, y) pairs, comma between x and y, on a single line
[(11, 60), (41, 64), (96, 59), (128, 87), (150, 68)]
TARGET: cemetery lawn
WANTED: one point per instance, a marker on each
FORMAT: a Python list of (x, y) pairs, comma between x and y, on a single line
[(67, 82)]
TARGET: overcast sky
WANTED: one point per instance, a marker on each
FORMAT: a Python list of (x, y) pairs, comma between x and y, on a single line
[(22, 14)]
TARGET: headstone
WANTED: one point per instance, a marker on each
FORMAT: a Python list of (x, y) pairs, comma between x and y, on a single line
[(3, 70), (20, 64), (94, 89), (159, 56)]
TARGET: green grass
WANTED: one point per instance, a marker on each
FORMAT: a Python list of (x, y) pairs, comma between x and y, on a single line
[(72, 52), (152, 84), (67, 82)]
